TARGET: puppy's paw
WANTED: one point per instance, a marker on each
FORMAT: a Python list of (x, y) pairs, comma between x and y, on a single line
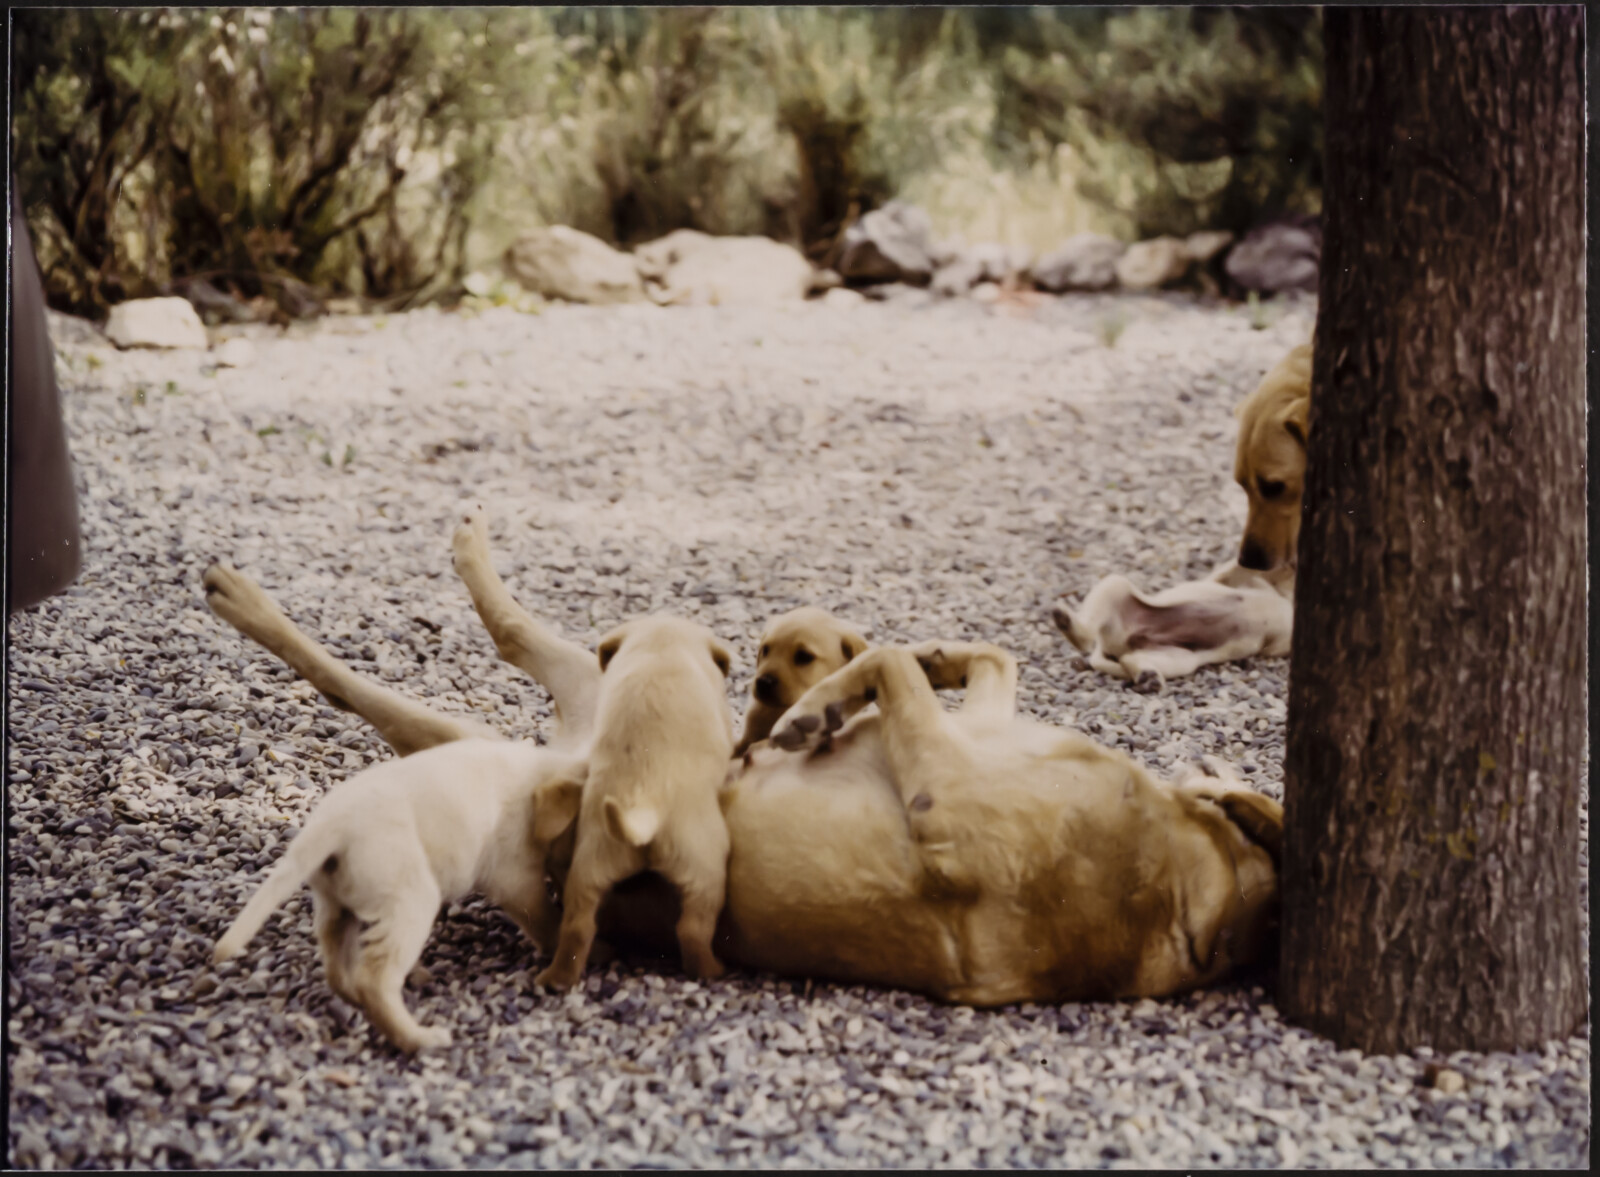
[(430, 1038), (944, 671), (793, 734), (1148, 682), (470, 542), (1067, 622)]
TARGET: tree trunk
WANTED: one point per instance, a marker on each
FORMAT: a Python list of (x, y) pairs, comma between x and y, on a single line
[(1437, 707)]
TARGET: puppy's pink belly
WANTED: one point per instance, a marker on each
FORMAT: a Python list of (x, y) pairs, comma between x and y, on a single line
[(1193, 625)]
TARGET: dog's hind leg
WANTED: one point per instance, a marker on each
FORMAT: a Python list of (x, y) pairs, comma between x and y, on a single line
[(568, 671), (988, 673), (405, 725), (387, 952)]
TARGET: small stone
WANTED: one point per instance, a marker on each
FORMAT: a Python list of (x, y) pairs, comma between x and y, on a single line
[(1442, 1079)]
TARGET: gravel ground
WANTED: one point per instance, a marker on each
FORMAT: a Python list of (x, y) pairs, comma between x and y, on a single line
[(923, 469)]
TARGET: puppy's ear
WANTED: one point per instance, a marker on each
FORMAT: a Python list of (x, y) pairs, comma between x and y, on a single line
[(721, 655), (609, 645), (848, 648), (557, 805)]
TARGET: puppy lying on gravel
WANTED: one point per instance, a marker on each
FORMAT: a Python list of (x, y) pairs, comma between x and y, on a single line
[(1234, 614), (386, 848), (798, 650), (1245, 607), (971, 855), (663, 734)]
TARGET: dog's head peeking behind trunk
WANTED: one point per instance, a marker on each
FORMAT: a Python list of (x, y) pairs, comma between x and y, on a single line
[(798, 650), (1270, 462)]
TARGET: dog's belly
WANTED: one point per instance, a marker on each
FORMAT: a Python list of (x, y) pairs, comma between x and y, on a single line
[(823, 880)]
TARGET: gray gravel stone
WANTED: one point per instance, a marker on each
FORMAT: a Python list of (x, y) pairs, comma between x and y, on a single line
[(924, 468)]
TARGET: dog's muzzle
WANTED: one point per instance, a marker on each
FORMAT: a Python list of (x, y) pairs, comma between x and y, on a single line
[(767, 690), (1254, 557)]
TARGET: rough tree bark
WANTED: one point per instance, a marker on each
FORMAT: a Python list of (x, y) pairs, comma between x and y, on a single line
[(1437, 681)]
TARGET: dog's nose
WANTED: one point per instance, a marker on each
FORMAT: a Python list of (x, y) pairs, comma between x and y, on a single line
[(1253, 556), (767, 689)]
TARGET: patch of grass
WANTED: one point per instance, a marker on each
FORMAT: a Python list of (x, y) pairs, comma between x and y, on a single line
[(268, 431), (1261, 316), (139, 394), (349, 455), (94, 362), (1111, 326), (172, 389)]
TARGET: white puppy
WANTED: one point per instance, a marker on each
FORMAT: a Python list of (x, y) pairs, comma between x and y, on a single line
[(662, 739), (386, 849), (1235, 613)]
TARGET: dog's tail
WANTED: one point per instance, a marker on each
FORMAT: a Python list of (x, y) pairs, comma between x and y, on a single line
[(312, 849), (636, 826)]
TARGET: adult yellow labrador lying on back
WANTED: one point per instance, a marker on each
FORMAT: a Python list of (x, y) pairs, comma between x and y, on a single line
[(973, 855), (1245, 607)]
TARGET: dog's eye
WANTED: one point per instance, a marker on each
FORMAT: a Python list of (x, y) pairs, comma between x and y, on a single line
[(765, 650), (1269, 489), (804, 657)]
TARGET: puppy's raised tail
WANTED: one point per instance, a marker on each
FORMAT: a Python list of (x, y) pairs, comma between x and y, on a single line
[(312, 849), (636, 826)]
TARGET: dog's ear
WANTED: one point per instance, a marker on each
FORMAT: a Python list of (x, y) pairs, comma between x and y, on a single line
[(609, 645), (848, 648), (721, 655), (1298, 422), (557, 806)]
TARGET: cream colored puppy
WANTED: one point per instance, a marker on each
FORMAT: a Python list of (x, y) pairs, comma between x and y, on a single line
[(662, 739), (798, 650), (385, 849), (1235, 613)]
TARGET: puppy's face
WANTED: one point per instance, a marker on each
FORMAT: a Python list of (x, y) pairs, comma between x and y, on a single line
[(654, 636), (1270, 462), (799, 650)]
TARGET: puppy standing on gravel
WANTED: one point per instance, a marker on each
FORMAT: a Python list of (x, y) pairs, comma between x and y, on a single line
[(386, 849), (663, 738), (798, 650)]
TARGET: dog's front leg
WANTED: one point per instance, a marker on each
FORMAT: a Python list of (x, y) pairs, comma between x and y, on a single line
[(405, 725), (568, 671), (988, 673)]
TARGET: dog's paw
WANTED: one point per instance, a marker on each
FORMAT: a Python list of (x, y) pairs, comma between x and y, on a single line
[(236, 598), (558, 977)]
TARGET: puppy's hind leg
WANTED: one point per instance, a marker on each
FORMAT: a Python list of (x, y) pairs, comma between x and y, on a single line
[(387, 952), (593, 874), (337, 930), (568, 671), (405, 725)]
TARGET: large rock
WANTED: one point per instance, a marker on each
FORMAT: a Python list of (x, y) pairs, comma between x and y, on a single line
[(1281, 255), (156, 322), (1084, 261), (988, 262), (688, 268), (1148, 265), (561, 262), (890, 244), (1206, 244)]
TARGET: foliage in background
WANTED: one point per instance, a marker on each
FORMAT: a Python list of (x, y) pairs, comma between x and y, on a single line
[(1185, 119), (305, 153), (263, 149)]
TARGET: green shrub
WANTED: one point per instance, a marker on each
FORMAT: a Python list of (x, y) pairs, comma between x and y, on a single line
[(1183, 118), (263, 149)]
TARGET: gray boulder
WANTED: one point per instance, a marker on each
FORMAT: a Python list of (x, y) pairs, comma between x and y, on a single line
[(1148, 265), (1280, 255), (1084, 261), (156, 322), (561, 262), (890, 244)]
